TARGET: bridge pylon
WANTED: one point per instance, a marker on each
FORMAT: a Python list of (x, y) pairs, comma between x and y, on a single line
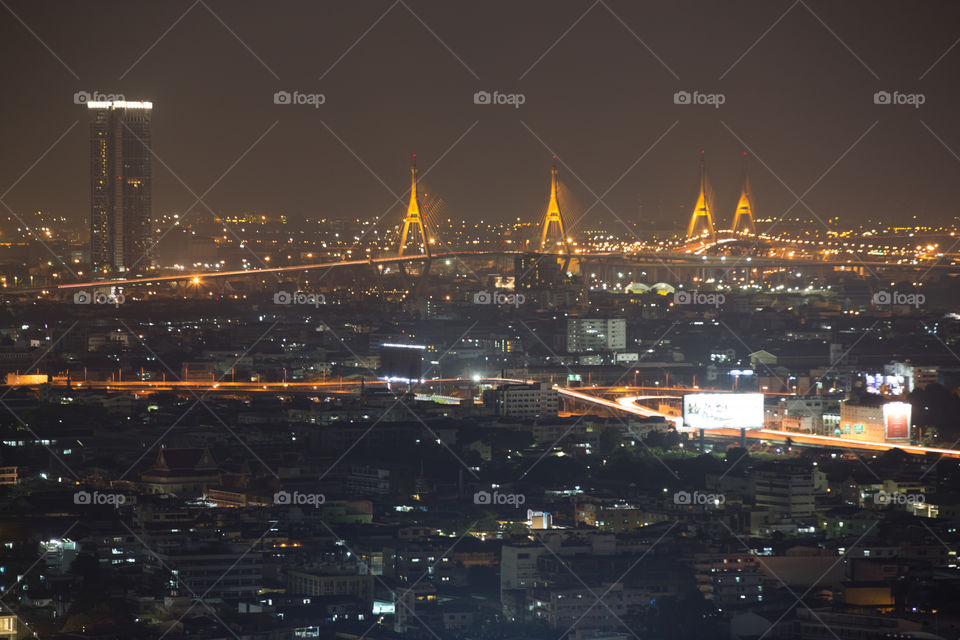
[(743, 221), (413, 218), (552, 230), (702, 219)]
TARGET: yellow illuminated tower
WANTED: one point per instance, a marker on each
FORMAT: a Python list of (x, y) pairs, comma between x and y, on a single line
[(413, 218), (553, 219), (702, 219), (743, 217)]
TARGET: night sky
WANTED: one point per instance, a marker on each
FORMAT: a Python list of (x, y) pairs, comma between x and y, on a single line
[(798, 96)]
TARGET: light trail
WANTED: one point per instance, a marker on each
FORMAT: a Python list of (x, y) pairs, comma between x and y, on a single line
[(626, 404), (653, 259)]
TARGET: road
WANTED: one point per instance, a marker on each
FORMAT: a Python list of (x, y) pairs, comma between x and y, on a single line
[(627, 404)]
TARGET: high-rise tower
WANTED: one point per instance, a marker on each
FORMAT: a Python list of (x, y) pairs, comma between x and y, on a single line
[(120, 186), (413, 218), (743, 217), (552, 231), (702, 219)]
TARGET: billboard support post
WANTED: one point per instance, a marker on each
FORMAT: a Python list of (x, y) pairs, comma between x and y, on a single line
[(703, 445), (743, 437)]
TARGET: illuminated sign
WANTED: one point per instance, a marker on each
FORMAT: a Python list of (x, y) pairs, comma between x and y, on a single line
[(119, 104), (884, 384), (723, 410), (896, 420), (14, 379)]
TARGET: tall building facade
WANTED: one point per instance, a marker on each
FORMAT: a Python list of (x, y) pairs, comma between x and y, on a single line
[(120, 186), (596, 334), (537, 400)]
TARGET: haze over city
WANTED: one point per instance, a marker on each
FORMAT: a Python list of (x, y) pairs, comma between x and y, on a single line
[(414, 320)]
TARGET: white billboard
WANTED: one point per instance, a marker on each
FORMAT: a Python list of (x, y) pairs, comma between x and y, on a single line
[(723, 410)]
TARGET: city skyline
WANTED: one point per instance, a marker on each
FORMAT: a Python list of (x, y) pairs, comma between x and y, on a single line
[(877, 161), (413, 320)]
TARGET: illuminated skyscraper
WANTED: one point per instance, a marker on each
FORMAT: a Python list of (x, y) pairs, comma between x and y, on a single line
[(120, 186)]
